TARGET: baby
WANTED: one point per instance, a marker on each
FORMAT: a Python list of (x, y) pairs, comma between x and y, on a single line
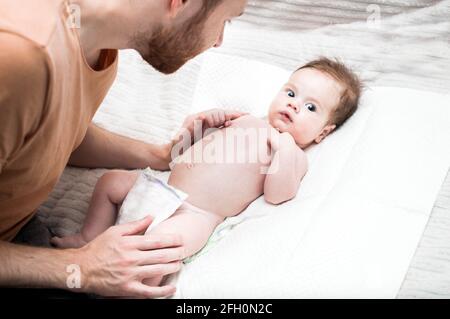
[(222, 177)]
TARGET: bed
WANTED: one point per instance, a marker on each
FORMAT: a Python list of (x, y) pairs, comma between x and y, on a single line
[(402, 51)]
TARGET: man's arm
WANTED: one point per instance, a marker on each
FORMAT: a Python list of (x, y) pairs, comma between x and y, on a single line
[(24, 266), (287, 169), (103, 149), (114, 264)]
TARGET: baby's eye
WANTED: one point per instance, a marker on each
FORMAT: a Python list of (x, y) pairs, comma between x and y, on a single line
[(291, 93), (311, 107)]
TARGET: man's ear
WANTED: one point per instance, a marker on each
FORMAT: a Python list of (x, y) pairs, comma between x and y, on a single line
[(176, 6), (325, 132)]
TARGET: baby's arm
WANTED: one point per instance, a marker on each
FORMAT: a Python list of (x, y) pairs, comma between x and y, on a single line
[(286, 171)]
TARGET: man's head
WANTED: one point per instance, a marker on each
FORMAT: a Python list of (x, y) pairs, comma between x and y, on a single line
[(187, 28), (318, 98)]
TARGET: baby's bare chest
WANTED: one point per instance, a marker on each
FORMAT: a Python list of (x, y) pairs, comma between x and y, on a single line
[(228, 164), (243, 143)]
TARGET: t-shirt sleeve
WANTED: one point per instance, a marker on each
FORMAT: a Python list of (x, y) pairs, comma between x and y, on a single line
[(24, 82)]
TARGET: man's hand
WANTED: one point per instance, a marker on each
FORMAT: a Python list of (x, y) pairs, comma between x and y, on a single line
[(215, 118), (103, 149), (113, 264), (116, 262)]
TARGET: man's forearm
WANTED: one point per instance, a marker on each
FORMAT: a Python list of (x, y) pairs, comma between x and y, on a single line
[(24, 266), (103, 149)]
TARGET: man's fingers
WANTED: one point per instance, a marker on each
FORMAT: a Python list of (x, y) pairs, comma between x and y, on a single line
[(210, 121), (135, 228), (216, 118), (234, 115), (145, 291), (157, 241), (162, 256), (157, 270), (222, 117)]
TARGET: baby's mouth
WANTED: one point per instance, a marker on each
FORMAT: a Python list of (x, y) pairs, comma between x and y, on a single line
[(286, 117)]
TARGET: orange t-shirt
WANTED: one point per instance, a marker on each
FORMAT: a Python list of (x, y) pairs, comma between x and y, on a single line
[(48, 97)]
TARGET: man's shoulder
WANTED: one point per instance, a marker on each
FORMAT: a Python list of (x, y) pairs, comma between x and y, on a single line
[(24, 77), (21, 60), (31, 19)]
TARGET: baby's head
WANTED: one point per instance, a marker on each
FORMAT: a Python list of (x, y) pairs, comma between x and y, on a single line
[(318, 98)]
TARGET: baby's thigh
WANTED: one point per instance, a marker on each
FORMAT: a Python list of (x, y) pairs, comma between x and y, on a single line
[(194, 228), (116, 184)]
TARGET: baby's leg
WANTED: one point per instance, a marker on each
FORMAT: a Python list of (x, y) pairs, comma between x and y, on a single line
[(194, 226), (110, 191)]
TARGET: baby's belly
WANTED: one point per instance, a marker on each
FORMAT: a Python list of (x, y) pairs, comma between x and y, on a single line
[(218, 188), (223, 182)]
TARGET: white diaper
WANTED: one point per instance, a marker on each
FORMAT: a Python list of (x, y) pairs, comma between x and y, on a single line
[(150, 196)]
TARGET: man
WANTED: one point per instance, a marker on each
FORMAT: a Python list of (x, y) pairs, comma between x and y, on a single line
[(54, 74)]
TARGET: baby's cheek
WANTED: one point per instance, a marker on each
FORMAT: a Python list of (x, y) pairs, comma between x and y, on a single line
[(299, 135), (304, 134), (273, 105)]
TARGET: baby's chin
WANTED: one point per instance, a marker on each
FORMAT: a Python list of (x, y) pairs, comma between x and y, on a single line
[(279, 125)]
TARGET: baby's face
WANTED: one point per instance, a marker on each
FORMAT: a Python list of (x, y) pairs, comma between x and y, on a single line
[(304, 105)]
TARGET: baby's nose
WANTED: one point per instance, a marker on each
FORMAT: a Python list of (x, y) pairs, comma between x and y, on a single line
[(293, 106)]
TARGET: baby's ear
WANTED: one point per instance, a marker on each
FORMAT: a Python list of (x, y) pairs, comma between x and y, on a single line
[(325, 132)]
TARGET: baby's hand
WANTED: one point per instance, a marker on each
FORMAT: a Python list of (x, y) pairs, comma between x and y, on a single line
[(277, 140)]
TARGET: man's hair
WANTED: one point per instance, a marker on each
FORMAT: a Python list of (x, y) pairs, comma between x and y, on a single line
[(351, 84)]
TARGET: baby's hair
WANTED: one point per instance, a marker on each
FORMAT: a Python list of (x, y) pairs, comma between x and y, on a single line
[(352, 87)]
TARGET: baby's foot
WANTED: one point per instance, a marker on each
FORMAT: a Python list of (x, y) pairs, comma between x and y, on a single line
[(73, 241)]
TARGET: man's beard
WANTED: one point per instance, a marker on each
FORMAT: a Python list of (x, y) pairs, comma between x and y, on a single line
[(168, 50)]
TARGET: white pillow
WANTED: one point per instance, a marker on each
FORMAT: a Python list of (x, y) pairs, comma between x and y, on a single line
[(232, 82)]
